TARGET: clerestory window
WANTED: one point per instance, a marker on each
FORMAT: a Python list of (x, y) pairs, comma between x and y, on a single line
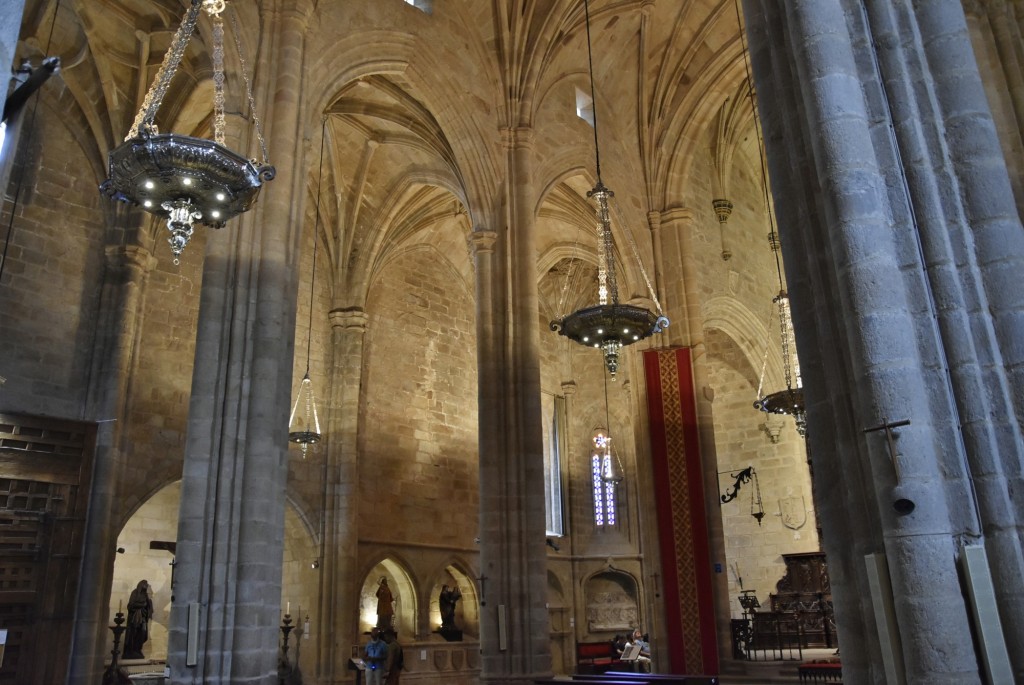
[(603, 488), (425, 6)]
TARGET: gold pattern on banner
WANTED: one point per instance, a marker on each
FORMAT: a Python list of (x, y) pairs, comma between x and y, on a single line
[(682, 524)]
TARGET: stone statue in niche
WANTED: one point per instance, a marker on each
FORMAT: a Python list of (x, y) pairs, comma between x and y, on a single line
[(385, 605), (446, 601), (140, 611)]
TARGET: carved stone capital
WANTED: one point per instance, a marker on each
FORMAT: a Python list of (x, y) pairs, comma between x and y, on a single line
[(482, 242), (350, 318), (569, 388), (654, 220), (133, 257), (519, 138)]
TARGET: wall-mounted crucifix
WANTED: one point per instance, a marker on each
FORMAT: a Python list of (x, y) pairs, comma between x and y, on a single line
[(890, 439), (483, 590), (168, 546)]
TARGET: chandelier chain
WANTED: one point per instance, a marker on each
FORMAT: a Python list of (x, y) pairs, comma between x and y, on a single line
[(608, 287), (640, 262), (568, 273), (785, 317), (248, 89), (316, 234), (218, 80), (764, 361), (172, 59)]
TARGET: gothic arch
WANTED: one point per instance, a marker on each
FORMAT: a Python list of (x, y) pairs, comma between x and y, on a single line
[(403, 590), (750, 334), (612, 602)]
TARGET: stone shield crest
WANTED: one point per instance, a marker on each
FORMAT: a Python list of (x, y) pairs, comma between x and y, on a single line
[(793, 512)]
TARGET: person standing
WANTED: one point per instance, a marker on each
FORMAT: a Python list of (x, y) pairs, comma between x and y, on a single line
[(140, 610), (374, 654), (385, 605), (395, 659)]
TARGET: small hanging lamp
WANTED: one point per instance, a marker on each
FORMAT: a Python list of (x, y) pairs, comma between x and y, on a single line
[(304, 423), (611, 467), (610, 325), (180, 178)]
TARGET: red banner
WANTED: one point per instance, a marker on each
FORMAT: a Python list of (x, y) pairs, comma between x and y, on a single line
[(682, 524)]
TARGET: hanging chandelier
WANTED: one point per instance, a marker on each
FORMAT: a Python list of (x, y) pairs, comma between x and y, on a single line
[(609, 325), (304, 422), (183, 179), (790, 400)]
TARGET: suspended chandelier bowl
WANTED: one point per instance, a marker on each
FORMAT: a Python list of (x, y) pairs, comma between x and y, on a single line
[(184, 180), (789, 401), (304, 437), (610, 327)]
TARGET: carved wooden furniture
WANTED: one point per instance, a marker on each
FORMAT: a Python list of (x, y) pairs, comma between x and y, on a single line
[(45, 473), (800, 610)]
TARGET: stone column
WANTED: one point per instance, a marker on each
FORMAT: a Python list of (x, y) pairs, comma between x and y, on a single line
[(339, 582), (231, 526), (881, 150), (124, 286), (515, 632), (973, 257)]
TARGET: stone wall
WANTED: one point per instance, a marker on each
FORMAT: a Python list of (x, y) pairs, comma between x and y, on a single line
[(418, 450), (50, 296)]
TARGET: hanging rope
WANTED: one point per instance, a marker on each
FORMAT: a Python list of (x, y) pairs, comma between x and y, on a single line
[(316, 234), (593, 96)]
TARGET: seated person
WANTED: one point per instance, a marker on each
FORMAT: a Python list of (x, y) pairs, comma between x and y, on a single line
[(643, 662), (618, 644)]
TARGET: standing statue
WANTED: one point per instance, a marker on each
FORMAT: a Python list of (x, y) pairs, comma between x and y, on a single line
[(446, 603), (385, 606), (140, 610)]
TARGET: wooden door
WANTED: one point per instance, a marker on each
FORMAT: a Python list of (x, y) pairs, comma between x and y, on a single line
[(45, 472)]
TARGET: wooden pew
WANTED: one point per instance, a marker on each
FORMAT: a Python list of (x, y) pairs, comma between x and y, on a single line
[(591, 680), (660, 678)]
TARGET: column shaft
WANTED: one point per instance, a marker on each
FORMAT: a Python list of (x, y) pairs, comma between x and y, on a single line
[(231, 525), (339, 573), (122, 303), (515, 634)]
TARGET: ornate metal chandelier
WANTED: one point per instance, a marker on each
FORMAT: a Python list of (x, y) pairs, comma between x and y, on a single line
[(180, 178), (610, 325), (791, 400)]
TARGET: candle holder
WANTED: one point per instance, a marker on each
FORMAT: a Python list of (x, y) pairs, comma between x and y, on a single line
[(284, 666), (113, 675)]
